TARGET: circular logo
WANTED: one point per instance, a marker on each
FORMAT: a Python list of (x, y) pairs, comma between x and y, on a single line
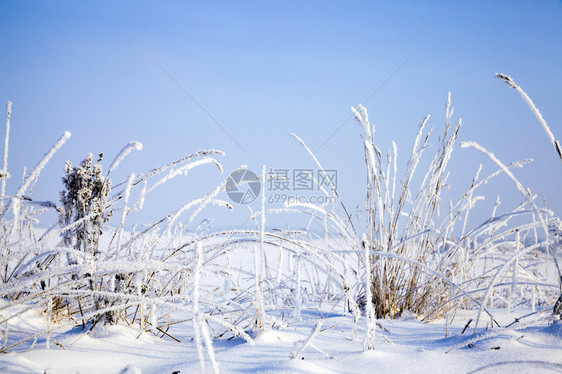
[(243, 186)]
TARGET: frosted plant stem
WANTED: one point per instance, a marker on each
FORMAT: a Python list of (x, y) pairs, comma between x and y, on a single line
[(195, 305), (153, 319), (494, 279), (515, 265), (227, 279), (49, 317), (526, 194), (298, 296), (36, 171), (208, 343), (258, 261), (124, 214), (6, 143), (555, 143), (494, 159), (308, 340), (369, 342), (395, 168), (279, 265), (183, 170), (123, 153), (4, 335)]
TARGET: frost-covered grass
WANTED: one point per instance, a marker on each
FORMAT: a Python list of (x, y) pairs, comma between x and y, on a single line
[(86, 282), (422, 255)]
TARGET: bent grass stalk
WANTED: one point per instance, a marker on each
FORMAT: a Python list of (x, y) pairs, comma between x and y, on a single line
[(555, 143)]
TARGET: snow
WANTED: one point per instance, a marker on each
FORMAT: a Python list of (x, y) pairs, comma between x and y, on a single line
[(402, 345)]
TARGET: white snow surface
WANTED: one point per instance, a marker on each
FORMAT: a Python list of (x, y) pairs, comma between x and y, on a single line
[(407, 346)]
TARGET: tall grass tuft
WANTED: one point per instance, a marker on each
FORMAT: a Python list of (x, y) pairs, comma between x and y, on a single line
[(399, 285), (423, 257)]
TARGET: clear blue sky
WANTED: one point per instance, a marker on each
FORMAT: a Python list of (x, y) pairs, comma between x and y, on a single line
[(263, 69)]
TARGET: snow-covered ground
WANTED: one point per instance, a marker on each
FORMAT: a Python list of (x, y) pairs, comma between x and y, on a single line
[(532, 345)]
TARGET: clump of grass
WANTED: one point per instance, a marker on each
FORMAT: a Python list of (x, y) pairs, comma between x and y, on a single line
[(423, 257)]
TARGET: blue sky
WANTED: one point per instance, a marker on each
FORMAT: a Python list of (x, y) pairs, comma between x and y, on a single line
[(265, 69)]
